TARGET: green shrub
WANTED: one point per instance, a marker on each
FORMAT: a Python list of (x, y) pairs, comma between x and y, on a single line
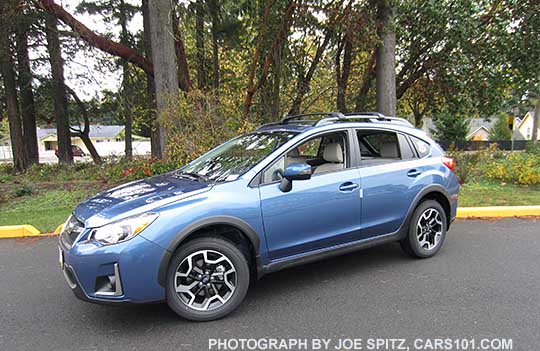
[(533, 148), (24, 190)]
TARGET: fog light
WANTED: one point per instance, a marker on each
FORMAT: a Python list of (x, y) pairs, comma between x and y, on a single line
[(109, 285)]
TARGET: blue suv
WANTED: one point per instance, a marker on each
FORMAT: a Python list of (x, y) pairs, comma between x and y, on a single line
[(303, 189)]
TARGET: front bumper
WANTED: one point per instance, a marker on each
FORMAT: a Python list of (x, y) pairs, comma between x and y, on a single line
[(124, 272)]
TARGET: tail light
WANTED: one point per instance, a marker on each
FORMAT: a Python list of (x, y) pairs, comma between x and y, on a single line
[(449, 162)]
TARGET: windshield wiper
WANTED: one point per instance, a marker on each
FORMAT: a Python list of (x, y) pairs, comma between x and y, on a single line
[(192, 175)]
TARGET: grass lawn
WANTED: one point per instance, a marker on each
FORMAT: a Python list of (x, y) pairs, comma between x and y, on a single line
[(44, 209), (493, 194)]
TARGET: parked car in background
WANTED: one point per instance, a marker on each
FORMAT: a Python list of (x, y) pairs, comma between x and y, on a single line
[(75, 149), (291, 192)]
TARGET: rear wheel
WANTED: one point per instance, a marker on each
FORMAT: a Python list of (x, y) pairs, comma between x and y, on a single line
[(207, 279), (427, 230)]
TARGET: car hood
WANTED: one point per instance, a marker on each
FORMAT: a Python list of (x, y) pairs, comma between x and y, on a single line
[(136, 197)]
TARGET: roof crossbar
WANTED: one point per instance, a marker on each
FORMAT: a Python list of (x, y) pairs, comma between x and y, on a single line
[(369, 116), (289, 118)]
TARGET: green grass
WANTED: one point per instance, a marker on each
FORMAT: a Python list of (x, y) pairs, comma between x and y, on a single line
[(45, 209), (493, 194)]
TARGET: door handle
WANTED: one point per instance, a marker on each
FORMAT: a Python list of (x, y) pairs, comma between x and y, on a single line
[(414, 173), (348, 186)]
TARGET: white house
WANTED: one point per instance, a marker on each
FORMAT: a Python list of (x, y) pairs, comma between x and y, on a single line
[(523, 127), (47, 139)]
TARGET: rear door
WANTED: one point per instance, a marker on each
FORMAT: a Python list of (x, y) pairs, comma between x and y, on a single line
[(317, 213), (389, 171)]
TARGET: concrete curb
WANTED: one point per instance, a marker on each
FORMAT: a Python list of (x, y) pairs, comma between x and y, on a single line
[(498, 211), (20, 231)]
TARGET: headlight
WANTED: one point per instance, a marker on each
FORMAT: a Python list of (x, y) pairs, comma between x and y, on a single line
[(123, 229)]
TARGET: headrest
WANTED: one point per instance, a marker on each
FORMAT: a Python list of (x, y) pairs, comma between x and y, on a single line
[(389, 150), (333, 153)]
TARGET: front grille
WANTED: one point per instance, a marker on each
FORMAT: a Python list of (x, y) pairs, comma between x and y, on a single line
[(71, 230)]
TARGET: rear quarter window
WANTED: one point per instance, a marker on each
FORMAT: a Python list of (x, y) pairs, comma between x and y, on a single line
[(421, 146)]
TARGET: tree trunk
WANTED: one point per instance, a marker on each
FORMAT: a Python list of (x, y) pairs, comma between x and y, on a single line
[(84, 133), (20, 159), (155, 149), (536, 121), (126, 85), (367, 80), (184, 80), (164, 58), (199, 44), (28, 111), (213, 7), (386, 59), (285, 26), (304, 81), (65, 154), (275, 105), (343, 75)]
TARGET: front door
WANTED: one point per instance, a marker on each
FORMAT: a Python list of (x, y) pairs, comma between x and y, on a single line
[(317, 213)]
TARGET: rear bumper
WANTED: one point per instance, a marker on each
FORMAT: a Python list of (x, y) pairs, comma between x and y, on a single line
[(132, 268)]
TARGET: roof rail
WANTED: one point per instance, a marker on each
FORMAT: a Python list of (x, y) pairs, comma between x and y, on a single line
[(369, 116), (288, 118)]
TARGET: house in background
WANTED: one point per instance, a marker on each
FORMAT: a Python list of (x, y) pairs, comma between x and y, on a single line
[(478, 128), (523, 127), (48, 141)]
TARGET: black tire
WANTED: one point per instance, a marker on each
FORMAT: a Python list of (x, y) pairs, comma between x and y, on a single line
[(411, 244), (223, 247)]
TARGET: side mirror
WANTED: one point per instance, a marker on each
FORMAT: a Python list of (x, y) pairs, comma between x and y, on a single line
[(295, 171)]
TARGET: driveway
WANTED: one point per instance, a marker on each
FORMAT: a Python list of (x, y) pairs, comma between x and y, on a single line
[(484, 283)]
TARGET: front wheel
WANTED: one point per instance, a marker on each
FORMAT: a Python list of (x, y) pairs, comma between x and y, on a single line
[(427, 230), (207, 279)]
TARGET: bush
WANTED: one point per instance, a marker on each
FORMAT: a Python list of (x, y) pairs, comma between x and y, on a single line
[(522, 168), (24, 190)]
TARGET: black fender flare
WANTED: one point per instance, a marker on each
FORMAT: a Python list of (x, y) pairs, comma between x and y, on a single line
[(238, 223), (432, 188)]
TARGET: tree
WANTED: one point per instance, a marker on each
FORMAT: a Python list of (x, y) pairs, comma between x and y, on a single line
[(450, 127), (63, 135), (277, 42), (83, 132), (164, 58), (20, 158), (151, 116), (28, 111), (386, 58), (501, 130), (120, 12)]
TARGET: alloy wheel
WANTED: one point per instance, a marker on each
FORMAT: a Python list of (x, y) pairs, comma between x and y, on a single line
[(205, 280), (429, 229)]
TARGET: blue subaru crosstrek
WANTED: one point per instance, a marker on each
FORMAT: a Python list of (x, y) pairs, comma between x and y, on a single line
[(299, 190)]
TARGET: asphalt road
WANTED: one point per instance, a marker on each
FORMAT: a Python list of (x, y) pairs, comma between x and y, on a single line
[(484, 283)]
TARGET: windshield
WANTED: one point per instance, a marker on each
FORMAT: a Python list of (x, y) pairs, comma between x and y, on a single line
[(237, 156)]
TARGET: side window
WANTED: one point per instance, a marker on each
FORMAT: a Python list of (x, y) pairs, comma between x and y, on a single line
[(421, 146), (310, 148), (378, 147), (406, 152), (325, 153)]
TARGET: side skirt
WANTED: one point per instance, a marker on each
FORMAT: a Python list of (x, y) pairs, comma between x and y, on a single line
[(331, 252)]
